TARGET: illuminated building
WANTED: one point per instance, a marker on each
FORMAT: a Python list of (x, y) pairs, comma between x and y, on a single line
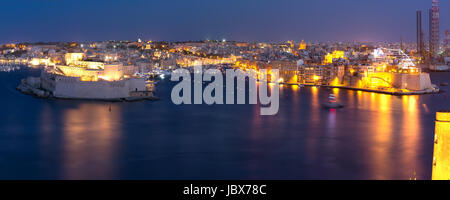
[(390, 70), (111, 57), (302, 45), (335, 55), (91, 71), (287, 71), (40, 61), (291, 44), (190, 61), (320, 75), (91, 80), (70, 58), (441, 157)]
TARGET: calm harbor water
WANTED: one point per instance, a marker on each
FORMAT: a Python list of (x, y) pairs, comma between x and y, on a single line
[(376, 136)]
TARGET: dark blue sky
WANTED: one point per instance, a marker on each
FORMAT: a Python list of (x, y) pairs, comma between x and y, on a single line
[(244, 20)]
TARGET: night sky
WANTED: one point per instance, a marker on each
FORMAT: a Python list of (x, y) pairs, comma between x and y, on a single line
[(242, 20)]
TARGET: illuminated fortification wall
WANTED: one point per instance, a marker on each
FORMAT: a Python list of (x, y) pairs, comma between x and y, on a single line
[(73, 88), (71, 58), (77, 71), (378, 80), (89, 64), (413, 82), (109, 72), (112, 72)]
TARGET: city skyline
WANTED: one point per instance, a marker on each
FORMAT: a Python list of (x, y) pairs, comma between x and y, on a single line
[(225, 90), (175, 20)]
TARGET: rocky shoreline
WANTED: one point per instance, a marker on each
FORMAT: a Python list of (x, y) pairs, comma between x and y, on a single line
[(32, 86)]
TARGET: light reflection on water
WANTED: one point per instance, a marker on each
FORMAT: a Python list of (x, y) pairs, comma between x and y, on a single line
[(376, 136), (90, 136), (385, 129)]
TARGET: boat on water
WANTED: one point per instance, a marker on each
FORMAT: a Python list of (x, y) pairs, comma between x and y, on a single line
[(332, 103), (444, 84), (161, 74)]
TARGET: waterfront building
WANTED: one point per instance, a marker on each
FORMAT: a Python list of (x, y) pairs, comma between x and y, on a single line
[(87, 80), (388, 70), (321, 75)]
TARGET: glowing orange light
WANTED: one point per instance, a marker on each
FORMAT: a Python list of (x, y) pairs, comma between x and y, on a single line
[(335, 82), (302, 45), (335, 55)]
